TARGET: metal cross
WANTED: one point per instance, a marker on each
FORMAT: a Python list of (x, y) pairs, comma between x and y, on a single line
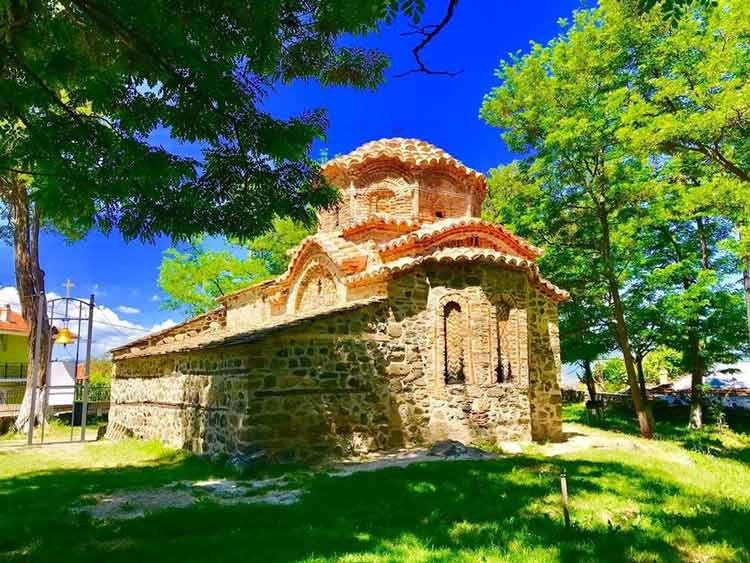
[(68, 285)]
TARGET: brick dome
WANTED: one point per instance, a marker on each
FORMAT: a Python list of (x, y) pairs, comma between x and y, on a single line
[(412, 152)]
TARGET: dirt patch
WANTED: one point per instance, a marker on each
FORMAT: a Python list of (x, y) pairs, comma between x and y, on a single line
[(123, 505), (443, 451), (578, 438)]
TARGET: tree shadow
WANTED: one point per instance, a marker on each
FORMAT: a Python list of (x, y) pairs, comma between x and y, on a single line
[(437, 511)]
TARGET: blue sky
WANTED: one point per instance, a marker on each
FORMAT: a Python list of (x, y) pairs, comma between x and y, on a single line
[(441, 110)]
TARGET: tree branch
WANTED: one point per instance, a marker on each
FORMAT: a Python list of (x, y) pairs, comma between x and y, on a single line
[(429, 32)]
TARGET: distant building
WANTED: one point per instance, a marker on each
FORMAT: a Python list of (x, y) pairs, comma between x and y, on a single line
[(14, 338), (728, 384)]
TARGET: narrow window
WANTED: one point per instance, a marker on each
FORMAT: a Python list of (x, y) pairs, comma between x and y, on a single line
[(453, 351), (499, 371), (439, 214), (503, 369)]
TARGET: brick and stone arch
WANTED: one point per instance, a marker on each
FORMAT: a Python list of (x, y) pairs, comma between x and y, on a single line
[(315, 288), (468, 239), (453, 342), (503, 365), (454, 330), (379, 200), (385, 192), (509, 341)]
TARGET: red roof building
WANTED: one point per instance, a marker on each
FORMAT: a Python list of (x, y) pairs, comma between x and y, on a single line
[(11, 322)]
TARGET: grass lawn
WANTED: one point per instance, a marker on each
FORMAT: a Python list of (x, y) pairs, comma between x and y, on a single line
[(634, 501), (56, 431)]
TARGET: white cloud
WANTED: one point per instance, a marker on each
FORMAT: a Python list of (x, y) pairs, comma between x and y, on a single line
[(155, 298), (109, 329), (9, 295), (169, 323), (98, 291), (128, 310)]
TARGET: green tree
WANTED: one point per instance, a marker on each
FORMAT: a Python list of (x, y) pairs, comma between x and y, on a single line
[(663, 364), (611, 374), (559, 105), (83, 85), (515, 199), (580, 108), (694, 99), (195, 277), (673, 10), (272, 247), (686, 281)]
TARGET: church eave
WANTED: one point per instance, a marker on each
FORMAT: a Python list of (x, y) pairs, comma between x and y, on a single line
[(442, 229), (452, 255)]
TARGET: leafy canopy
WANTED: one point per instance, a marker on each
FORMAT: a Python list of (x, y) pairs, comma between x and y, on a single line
[(194, 278), (607, 189), (84, 85)]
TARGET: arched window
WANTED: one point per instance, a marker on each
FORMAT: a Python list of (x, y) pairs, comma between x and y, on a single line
[(379, 200), (503, 365), (454, 352)]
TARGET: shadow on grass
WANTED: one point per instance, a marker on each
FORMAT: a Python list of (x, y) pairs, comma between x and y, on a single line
[(442, 511)]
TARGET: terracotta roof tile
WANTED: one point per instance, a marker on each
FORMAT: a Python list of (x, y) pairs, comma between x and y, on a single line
[(407, 263), (153, 337), (15, 323), (409, 151), (432, 229)]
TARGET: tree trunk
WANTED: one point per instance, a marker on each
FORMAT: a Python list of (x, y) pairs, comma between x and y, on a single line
[(745, 261), (641, 377), (694, 346), (696, 381), (645, 419), (703, 242), (588, 379), (25, 222)]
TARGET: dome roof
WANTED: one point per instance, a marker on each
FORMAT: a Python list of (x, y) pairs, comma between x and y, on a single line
[(413, 152)]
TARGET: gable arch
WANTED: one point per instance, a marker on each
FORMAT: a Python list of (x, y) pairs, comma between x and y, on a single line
[(316, 286)]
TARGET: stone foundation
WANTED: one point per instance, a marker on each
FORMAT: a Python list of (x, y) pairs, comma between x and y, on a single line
[(365, 379)]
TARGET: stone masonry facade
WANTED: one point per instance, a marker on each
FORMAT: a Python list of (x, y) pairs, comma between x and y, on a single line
[(386, 331)]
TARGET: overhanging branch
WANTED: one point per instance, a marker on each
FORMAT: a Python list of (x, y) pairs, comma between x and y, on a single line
[(428, 33)]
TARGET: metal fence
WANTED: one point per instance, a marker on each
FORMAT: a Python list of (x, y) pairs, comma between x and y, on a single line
[(13, 370), (572, 396), (98, 392), (12, 395)]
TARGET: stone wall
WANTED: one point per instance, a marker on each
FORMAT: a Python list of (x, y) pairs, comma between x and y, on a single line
[(365, 379)]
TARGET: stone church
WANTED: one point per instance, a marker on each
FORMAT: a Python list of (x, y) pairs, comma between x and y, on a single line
[(404, 320)]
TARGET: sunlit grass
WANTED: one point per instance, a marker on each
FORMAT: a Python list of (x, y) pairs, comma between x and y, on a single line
[(650, 501), (54, 431)]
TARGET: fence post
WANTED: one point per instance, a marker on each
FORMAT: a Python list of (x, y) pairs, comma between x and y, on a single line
[(85, 390), (564, 493)]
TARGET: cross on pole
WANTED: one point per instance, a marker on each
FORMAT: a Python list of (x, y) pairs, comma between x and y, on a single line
[(68, 285)]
